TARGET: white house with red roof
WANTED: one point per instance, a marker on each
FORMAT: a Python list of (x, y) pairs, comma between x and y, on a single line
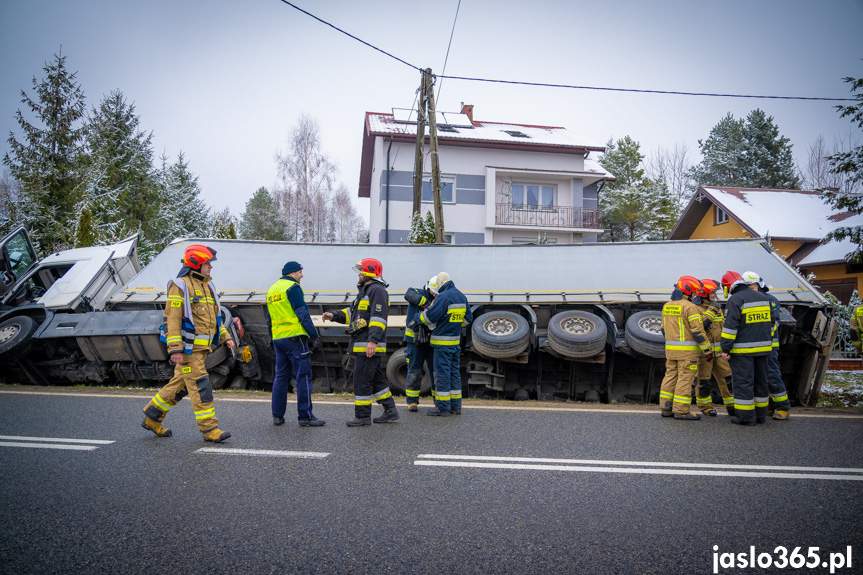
[(796, 222), (501, 183)]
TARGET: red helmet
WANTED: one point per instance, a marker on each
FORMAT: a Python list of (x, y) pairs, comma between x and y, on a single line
[(688, 285), (708, 287), (197, 255), (369, 267), (729, 280)]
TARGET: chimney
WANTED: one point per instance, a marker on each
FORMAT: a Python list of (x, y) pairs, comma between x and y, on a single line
[(467, 109)]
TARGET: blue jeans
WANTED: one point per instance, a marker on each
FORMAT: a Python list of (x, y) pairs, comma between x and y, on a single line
[(293, 358), (447, 378)]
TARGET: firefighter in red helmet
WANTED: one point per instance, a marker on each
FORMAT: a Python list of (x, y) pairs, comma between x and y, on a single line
[(191, 325), (685, 344), (718, 367), (367, 326)]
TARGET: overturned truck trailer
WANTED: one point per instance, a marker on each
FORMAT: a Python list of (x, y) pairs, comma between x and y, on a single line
[(551, 322)]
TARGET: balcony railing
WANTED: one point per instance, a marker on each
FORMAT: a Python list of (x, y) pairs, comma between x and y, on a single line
[(550, 217)]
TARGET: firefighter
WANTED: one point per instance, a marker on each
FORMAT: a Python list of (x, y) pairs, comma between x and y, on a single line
[(418, 351), (294, 340), (367, 326), (718, 367), (857, 329), (779, 406), (685, 344), (445, 317), (192, 323), (747, 340)]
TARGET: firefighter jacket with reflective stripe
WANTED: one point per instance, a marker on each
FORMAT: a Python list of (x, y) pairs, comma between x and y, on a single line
[(192, 320), (684, 329), (371, 305), (774, 306), (857, 327), (446, 315), (749, 323), (713, 319), (418, 300), (287, 312)]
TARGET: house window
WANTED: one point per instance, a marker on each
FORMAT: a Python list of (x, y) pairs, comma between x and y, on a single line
[(447, 185), (532, 197), (533, 240), (721, 216)]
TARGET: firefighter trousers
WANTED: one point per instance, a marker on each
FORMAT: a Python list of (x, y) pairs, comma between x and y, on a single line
[(750, 387), (370, 384), (417, 355), (447, 378), (681, 375), (775, 385), (190, 378), (721, 371)]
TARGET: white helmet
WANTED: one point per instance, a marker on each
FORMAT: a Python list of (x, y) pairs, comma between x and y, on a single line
[(751, 277), (432, 285)]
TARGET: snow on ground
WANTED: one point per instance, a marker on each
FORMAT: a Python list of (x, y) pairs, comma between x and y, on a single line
[(842, 389)]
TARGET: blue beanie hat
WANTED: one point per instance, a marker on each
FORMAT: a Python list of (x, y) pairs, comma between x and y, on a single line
[(290, 268)]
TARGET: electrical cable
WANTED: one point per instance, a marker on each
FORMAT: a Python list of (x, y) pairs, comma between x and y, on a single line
[(446, 58), (548, 85)]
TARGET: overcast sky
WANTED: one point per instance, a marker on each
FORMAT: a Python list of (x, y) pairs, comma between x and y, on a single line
[(224, 81)]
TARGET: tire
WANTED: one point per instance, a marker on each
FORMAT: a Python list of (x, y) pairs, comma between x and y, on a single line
[(500, 334), (15, 338), (648, 348), (577, 334), (646, 326), (397, 374)]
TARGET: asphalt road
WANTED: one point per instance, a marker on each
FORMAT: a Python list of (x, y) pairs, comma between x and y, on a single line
[(499, 489)]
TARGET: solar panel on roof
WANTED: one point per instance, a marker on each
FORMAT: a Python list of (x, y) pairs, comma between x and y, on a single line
[(404, 115)]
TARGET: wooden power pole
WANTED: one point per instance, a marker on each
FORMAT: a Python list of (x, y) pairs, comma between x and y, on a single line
[(421, 129), (435, 161)]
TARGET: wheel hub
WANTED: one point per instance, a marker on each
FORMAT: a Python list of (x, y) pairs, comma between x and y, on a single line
[(577, 325), (500, 326), (651, 325), (9, 332)]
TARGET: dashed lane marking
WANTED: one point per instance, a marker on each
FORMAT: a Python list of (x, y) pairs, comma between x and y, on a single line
[(263, 452), (52, 443), (640, 467)]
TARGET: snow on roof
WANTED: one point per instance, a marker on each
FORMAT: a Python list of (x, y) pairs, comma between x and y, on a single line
[(829, 253), (782, 213), (521, 134)]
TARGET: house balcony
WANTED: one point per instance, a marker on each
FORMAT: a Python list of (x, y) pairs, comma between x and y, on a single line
[(552, 217)]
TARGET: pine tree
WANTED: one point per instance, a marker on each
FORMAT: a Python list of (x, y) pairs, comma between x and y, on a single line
[(85, 230), (222, 225), (44, 163), (850, 165), (261, 219), (723, 155)]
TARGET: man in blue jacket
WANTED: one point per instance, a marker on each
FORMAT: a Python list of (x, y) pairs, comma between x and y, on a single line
[(445, 318), (417, 349)]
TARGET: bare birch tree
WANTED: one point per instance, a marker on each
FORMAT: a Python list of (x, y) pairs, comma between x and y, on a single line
[(673, 166), (818, 174)]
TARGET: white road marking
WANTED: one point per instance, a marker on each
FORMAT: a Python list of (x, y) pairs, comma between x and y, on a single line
[(263, 452), (56, 439), (649, 468), (638, 463), (47, 446)]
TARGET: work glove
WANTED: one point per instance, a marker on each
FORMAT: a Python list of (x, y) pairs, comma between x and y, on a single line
[(315, 344), (709, 355), (356, 326)]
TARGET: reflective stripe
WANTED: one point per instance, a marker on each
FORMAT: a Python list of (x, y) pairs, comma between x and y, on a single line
[(692, 317), (442, 394), (380, 322), (412, 392), (703, 399), (409, 332), (743, 406), (728, 400), (445, 339), (362, 400), (205, 413), (764, 403), (455, 395), (361, 346), (683, 399), (383, 394), (160, 403), (681, 347), (762, 349), (665, 394), (779, 398)]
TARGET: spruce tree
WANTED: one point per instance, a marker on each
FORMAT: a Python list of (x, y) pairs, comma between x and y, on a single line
[(261, 219), (44, 162)]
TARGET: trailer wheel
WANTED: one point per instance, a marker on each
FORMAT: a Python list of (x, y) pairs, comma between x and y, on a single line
[(397, 374), (646, 326), (648, 348), (577, 334), (15, 338), (500, 334)]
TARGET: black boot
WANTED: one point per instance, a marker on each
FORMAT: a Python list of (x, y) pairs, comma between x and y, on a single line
[(389, 415), (358, 421)]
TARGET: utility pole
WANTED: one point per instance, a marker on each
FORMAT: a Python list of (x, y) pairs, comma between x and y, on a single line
[(421, 128), (435, 161)]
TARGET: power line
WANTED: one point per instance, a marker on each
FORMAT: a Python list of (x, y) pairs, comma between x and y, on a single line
[(446, 58), (568, 86)]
